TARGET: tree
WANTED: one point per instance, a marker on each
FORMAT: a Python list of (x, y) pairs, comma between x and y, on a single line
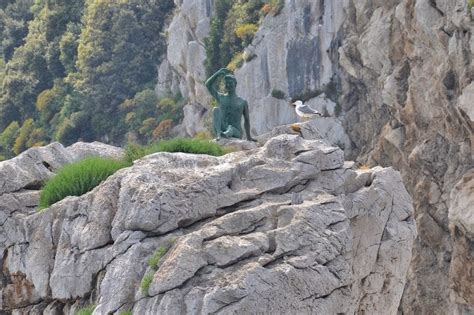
[(7, 139), (14, 18), (119, 47), (23, 136)]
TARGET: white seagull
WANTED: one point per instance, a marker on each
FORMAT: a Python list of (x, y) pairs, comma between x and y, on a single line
[(305, 111)]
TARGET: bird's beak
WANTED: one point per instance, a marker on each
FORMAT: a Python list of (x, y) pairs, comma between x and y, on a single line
[(293, 104)]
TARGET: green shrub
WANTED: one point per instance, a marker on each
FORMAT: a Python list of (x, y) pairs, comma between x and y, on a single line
[(78, 178), (232, 29), (278, 94), (145, 283), (156, 257), (246, 32), (236, 62), (87, 310), (126, 313), (195, 146), (470, 3)]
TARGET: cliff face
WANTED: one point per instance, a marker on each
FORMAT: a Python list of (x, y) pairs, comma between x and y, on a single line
[(407, 75), (289, 227), (400, 74)]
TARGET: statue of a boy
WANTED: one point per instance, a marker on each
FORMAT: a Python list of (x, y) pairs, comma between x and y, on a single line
[(227, 117)]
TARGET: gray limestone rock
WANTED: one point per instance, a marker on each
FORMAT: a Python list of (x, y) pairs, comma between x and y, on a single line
[(236, 242), (400, 72)]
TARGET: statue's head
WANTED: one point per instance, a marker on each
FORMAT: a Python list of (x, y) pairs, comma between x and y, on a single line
[(230, 83)]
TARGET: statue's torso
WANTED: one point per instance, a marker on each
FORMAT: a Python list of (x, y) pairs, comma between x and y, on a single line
[(232, 108)]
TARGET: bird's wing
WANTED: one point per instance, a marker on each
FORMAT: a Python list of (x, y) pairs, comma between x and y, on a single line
[(308, 110)]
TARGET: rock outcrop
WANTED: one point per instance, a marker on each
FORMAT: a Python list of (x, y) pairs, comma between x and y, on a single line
[(289, 228), (461, 219), (400, 75), (406, 76), (20, 181)]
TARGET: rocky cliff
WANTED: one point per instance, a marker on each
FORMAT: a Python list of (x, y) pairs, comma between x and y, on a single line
[(289, 228), (399, 74)]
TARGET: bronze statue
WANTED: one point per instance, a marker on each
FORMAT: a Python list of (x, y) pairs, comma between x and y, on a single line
[(227, 117)]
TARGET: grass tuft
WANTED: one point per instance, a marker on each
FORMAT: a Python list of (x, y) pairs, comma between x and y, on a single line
[(78, 178), (156, 257), (134, 151), (87, 310), (146, 282), (126, 313)]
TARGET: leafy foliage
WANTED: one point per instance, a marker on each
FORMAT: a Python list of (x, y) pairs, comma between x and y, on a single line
[(7, 139), (78, 178), (236, 62), (14, 17), (76, 63), (232, 29), (23, 134)]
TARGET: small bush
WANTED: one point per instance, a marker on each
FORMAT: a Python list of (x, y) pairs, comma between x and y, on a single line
[(78, 178), (156, 257), (146, 282), (134, 151), (87, 310), (278, 94), (236, 62), (246, 32)]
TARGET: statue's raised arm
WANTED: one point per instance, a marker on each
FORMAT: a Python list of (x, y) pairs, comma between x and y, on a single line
[(210, 83)]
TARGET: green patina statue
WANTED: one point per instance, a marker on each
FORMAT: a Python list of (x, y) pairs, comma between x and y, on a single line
[(227, 117)]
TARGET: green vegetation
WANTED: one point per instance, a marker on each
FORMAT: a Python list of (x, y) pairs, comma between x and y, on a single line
[(232, 29), (278, 94), (145, 283), (82, 69), (156, 257), (126, 313), (78, 178), (87, 310), (470, 3), (195, 146)]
